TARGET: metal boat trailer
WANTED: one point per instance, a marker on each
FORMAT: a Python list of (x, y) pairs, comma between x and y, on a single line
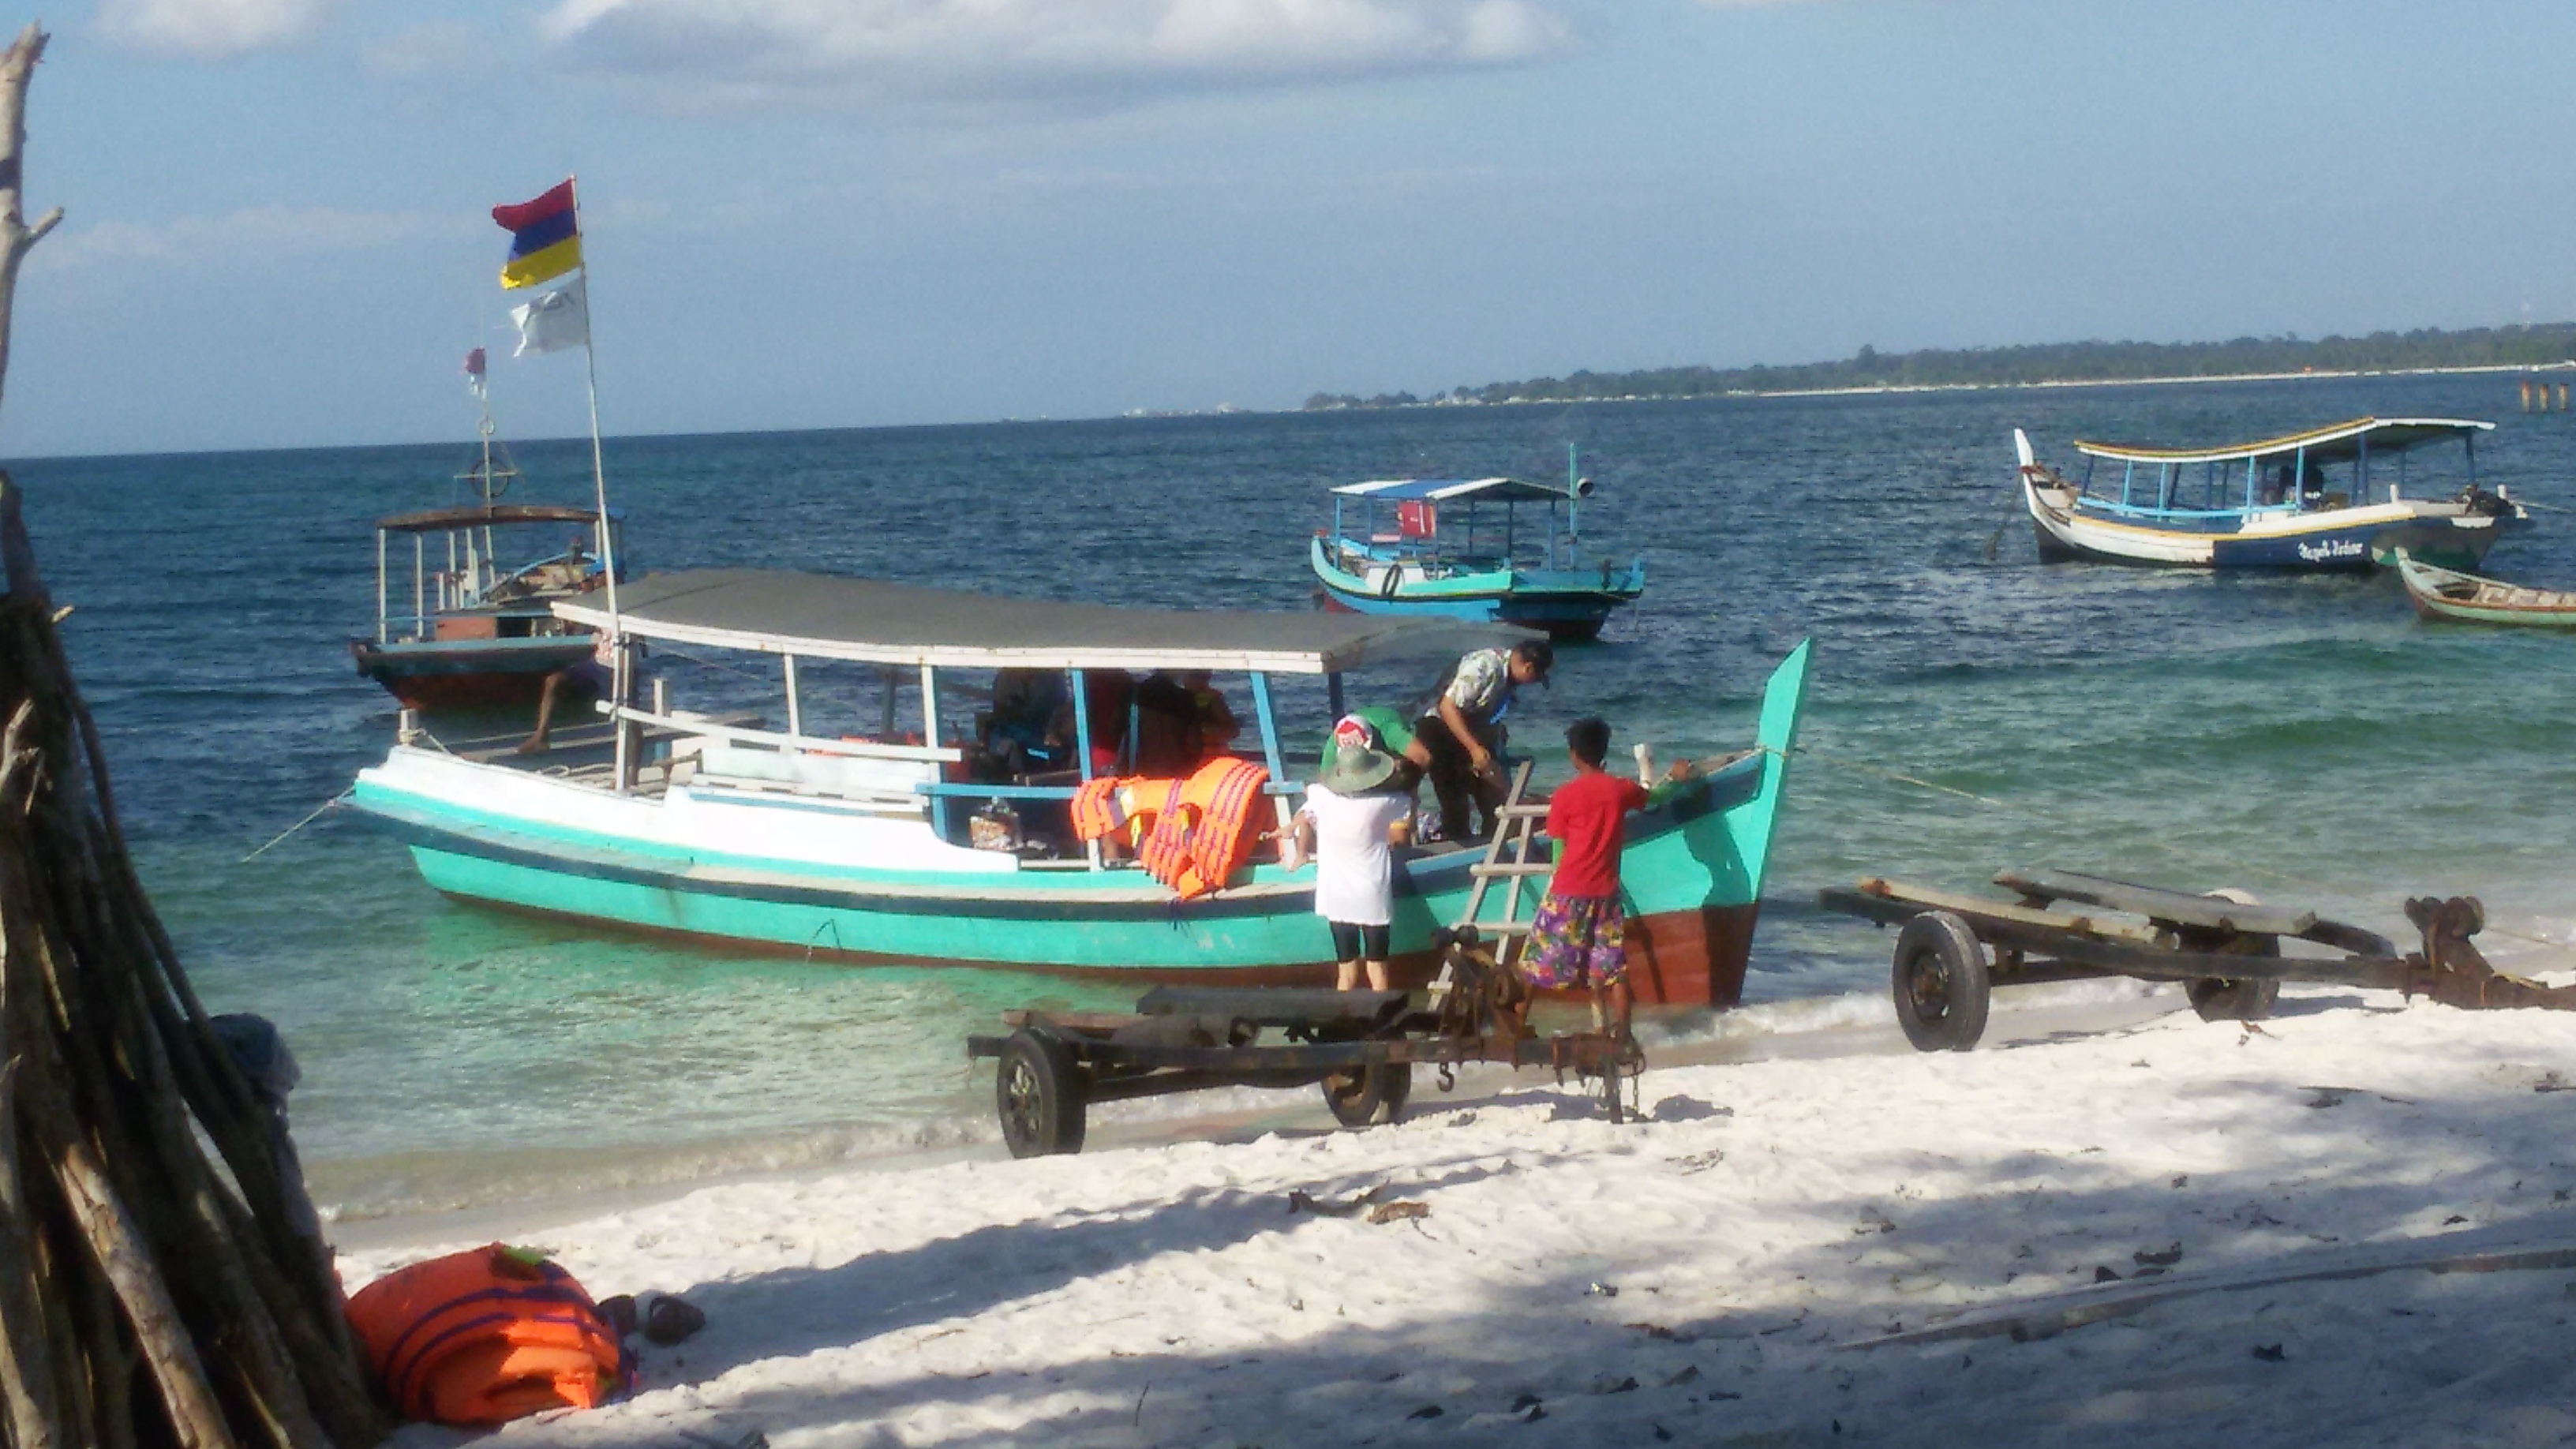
[(2224, 947), (1360, 1046)]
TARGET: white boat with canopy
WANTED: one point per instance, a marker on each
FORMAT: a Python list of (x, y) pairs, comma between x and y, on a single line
[(793, 831), (2342, 497)]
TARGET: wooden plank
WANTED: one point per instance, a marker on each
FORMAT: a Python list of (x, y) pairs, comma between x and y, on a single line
[(1977, 907), (1512, 868), (2158, 904)]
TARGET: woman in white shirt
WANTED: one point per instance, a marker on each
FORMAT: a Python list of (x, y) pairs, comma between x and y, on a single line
[(1351, 818)]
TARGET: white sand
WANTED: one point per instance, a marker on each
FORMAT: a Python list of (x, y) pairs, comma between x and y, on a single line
[(1772, 1214)]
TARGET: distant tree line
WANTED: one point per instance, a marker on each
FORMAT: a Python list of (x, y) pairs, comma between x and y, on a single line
[(2528, 346)]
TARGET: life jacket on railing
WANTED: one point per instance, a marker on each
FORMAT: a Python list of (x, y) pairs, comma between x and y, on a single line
[(1106, 805), (1208, 832), (486, 1336)]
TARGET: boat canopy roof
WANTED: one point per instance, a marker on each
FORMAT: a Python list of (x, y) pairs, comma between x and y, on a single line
[(2337, 444), (824, 616), (1441, 490), (472, 515)]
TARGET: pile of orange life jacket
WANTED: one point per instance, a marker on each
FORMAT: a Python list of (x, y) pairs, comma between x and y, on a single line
[(1195, 832), (486, 1336)]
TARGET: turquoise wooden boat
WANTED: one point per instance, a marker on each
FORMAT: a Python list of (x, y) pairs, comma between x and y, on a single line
[(1500, 550), (795, 839)]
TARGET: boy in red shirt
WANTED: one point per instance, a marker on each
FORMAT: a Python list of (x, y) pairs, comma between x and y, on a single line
[(1579, 937)]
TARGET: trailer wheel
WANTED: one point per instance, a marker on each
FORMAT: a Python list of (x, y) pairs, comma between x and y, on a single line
[(1038, 1093), (1941, 983), (1366, 1096), (2225, 999)]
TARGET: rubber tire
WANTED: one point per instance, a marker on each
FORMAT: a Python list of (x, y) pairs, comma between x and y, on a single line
[(2222, 999), (1940, 941), (1038, 1093), (1371, 1095)]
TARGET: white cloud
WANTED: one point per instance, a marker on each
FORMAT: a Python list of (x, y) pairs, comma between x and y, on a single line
[(253, 232), (210, 29), (988, 48)]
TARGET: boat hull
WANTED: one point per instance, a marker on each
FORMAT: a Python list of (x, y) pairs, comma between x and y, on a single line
[(443, 675), (2335, 540), (1566, 605), (2447, 594), (716, 868)]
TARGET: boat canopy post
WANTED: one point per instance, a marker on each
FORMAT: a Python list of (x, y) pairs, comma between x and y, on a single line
[(2298, 489), (381, 607), (1082, 725), (2128, 475), (2250, 471), (621, 691), (795, 710), (419, 586), (2470, 440), (930, 740), (1082, 721), (2361, 473), (889, 682), (2164, 486), (1269, 721), (1573, 490)]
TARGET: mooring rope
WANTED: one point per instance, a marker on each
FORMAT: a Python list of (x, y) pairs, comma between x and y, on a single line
[(317, 814)]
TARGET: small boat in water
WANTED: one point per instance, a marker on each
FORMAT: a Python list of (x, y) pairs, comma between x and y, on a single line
[(480, 633), (799, 838), (2334, 498), (1461, 548), (2441, 593)]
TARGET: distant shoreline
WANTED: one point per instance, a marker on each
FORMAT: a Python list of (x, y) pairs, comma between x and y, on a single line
[(1871, 389)]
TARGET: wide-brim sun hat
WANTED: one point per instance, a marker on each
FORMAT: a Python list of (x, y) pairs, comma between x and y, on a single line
[(1358, 770)]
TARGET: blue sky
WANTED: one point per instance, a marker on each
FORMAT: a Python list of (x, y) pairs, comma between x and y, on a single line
[(816, 213)]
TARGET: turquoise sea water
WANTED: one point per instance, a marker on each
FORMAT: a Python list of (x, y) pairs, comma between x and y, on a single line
[(2304, 737)]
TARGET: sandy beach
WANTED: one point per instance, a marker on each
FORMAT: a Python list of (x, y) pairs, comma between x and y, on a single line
[(2150, 1231)]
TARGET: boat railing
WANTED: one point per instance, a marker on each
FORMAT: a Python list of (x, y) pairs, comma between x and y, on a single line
[(806, 744), (2148, 510)]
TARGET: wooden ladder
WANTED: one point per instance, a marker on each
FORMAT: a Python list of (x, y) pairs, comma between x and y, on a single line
[(1515, 829)]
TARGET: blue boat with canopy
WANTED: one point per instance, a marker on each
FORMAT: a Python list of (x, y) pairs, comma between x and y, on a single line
[(1496, 550), (2349, 496)]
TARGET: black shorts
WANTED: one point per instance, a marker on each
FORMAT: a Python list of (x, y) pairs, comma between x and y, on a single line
[(1358, 943)]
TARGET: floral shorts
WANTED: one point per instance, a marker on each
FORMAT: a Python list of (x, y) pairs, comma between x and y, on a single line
[(1576, 941)]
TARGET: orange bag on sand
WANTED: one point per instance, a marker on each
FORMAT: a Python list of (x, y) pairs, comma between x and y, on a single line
[(486, 1336)]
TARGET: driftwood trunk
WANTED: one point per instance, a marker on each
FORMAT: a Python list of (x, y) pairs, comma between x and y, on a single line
[(149, 1294)]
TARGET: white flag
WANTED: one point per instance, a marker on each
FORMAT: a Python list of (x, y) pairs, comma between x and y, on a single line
[(553, 320)]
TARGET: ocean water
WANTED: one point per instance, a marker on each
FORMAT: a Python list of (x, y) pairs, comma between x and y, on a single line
[(2306, 738)]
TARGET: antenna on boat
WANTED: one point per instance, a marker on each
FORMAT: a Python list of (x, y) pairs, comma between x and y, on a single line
[(1573, 493)]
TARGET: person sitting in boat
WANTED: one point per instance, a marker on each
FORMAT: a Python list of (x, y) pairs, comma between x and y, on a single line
[(1014, 731), (1350, 822), (1181, 722), (1106, 693), (1463, 730)]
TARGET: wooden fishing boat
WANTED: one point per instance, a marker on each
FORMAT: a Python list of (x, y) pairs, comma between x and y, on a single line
[(2441, 593), (797, 839), (481, 633), (1462, 548), (2333, 498), (479, 636)]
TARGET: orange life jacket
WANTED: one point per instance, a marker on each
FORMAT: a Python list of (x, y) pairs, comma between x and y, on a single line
[(486, 1336), (1208, 832), (1095, 808)]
